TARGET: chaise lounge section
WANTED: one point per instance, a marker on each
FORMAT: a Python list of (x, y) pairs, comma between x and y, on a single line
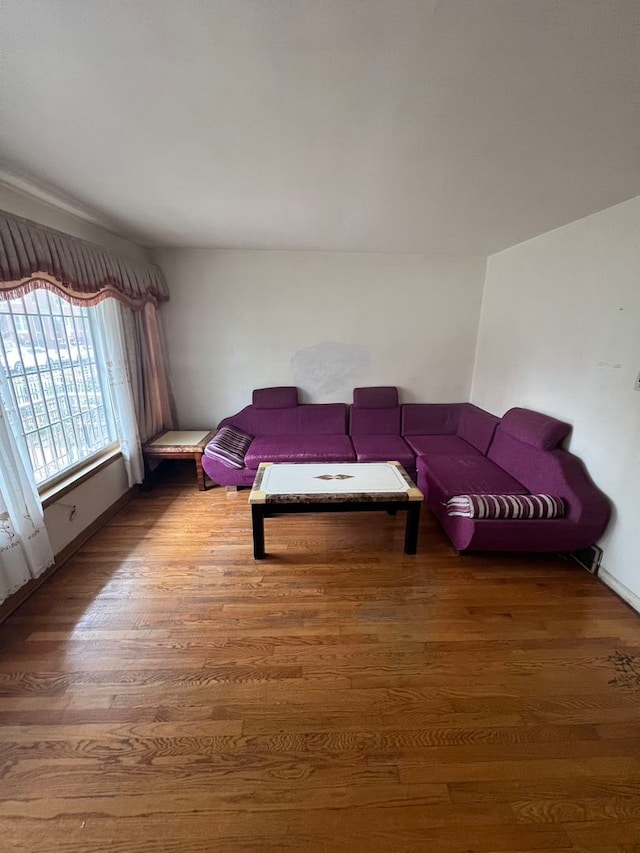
[(523, 458)]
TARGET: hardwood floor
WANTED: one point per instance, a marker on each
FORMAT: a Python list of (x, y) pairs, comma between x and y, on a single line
[(164, 692)]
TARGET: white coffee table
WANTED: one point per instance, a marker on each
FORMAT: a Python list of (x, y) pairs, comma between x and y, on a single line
[(334, 487)]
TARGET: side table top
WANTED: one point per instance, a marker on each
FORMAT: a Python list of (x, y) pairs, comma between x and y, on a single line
[(178, 440)]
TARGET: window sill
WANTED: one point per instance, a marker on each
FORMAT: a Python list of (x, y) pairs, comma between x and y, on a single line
[(50, 494)]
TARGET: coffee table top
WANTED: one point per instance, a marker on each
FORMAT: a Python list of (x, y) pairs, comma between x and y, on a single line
[(334, 482)]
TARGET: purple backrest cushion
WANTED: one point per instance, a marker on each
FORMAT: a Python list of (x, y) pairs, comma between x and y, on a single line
[(376, 397), (430, 418), (539, 470), (522, 445), (529, 465), (374, 421), (534, 428), (477, 426), (309, 419), (275, 398)]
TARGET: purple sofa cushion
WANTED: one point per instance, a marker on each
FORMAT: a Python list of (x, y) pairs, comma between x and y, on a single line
[(229, 445), (506, 506), (466, 475), (439, 445), (383, 448), (534, 428), (430, 418), (299, 448), (275, 398), (477, 426), (378, 397), (374, 421), (313, 419)]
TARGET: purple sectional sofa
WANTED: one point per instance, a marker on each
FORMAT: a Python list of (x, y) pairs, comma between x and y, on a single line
[(455, 449)]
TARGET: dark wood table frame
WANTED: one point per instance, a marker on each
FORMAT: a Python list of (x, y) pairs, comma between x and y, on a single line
[(175, 451), (263, 506), (261, 511)]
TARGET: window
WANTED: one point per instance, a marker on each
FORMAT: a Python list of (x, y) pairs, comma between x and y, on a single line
[(48, 354)]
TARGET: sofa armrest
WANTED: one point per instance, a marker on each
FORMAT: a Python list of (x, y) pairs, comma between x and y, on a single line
[(586, 504)]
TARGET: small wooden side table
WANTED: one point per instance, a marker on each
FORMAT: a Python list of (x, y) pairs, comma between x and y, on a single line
[(177, 444)]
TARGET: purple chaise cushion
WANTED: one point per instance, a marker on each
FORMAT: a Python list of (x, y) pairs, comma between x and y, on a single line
[(376, 397), (467, 475), (283, 397), (534, 428), (384, 448), (506, 506), (439, 445), (229, 445), (300, 448)]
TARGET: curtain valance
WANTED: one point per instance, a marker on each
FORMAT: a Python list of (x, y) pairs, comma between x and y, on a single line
[(33, 256)]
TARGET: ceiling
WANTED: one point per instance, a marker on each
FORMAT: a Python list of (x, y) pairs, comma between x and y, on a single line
[(428, 126)]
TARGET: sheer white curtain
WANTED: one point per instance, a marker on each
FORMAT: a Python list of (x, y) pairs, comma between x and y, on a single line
[(25, 550), (114, 349)]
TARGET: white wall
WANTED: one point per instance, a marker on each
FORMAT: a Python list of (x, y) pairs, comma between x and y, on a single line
[(90, 499), (560, 332), (97, 494), (326, 322)]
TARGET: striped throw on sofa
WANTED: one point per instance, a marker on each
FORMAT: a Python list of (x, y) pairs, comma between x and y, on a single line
[(506, 506), (229, 445)]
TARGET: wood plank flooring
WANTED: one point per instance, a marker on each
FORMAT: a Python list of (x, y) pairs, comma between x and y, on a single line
[(164, 692)]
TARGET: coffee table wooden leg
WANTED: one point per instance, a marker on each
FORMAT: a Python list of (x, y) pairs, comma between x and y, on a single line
[(257, 524), (412, 528), (200, 472)]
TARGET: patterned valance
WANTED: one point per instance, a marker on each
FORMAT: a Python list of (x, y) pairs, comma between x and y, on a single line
[(33, 256)]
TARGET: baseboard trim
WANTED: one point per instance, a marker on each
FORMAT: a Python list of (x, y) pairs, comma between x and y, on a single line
[(620, 589), (14, 601)]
